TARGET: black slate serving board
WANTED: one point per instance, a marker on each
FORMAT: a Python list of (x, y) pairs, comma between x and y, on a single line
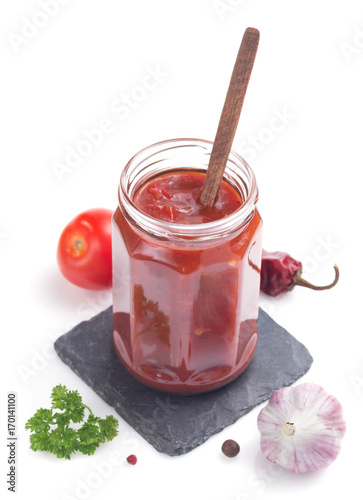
[(176, 424)]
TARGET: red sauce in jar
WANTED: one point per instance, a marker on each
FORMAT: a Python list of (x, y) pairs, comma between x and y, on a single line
[(192, 320), (174, 197)]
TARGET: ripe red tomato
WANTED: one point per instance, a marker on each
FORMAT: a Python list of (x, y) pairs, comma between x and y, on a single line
[(84, 251)]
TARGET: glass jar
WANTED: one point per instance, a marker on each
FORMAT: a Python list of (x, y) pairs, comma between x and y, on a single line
[(185, 296)]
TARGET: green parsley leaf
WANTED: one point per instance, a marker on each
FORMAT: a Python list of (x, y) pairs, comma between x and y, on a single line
[(58, 397), (63, 442), (41, 421), (51, 431), (108, 427), (39, 441)]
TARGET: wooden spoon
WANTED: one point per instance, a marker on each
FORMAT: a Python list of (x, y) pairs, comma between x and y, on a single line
[(230, 116)]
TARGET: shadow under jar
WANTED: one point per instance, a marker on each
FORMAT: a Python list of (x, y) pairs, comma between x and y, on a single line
[(185, 278)]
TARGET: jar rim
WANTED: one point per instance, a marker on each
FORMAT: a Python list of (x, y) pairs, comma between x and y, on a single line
[(237, 169)]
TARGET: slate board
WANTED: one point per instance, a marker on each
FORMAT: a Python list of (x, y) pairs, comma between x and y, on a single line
[(176, 424)]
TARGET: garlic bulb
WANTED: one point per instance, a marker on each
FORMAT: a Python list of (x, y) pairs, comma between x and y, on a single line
[(301, 428)]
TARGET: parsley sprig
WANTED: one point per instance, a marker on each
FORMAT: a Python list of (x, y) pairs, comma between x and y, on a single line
[(51, 429)]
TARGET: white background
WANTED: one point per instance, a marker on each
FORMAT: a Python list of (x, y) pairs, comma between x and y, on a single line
[(67, 74)]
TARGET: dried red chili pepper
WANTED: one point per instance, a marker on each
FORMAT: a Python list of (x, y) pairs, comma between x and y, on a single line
[(280, 273)]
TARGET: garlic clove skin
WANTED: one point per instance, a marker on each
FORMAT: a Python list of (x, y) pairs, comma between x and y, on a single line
[(301, 428)]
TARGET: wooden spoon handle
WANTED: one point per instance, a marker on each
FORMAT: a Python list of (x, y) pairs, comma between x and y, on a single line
[(230, 115)]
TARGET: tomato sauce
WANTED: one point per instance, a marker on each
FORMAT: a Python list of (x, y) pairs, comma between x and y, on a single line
[(186, 320), (174, 197)]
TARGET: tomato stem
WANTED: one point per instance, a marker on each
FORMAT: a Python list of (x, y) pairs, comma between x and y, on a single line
[(78, 244)]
